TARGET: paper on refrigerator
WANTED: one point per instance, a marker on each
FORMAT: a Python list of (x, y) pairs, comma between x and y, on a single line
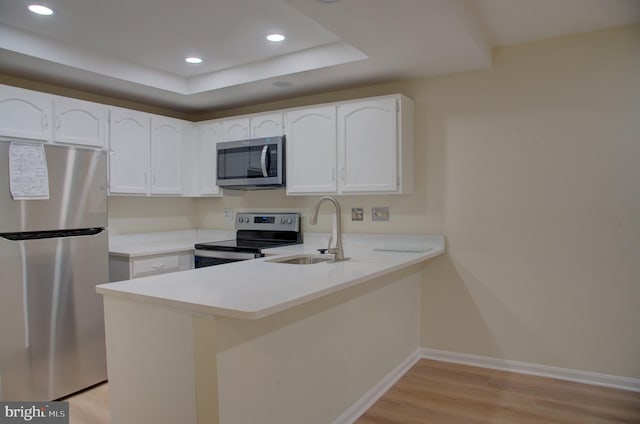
[(28, 173)]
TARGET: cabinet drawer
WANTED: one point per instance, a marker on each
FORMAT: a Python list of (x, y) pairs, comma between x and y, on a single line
[(156, 265)]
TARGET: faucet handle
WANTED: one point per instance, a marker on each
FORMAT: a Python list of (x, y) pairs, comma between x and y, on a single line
[(322, 251)]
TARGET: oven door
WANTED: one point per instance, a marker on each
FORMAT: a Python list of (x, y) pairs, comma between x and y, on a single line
[(251, 163), (204, 258)]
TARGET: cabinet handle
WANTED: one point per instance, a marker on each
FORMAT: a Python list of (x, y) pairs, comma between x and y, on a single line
[(57, 122), (333, 174), (45, 121), (154, 178), (343, 174), (146, 177), (158, 266)]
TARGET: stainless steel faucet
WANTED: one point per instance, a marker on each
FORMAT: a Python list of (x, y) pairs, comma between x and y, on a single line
[(338, 251)]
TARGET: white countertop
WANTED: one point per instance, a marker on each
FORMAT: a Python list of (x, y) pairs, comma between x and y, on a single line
[(257, 288)]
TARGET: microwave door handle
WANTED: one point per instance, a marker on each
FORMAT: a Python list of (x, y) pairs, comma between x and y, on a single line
[(263, 161)]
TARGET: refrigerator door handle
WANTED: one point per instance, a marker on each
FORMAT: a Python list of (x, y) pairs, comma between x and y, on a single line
[(33, 235), (25, 303)]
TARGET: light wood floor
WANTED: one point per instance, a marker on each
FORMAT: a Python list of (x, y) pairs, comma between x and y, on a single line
[(444, 393), (90, 406)]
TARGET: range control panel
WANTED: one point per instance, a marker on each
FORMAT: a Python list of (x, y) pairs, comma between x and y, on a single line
[(272, 221)]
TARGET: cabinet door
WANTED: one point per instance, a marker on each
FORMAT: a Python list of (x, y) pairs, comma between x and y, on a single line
[(266, 125), (25, 114), (235, 129), (79, 122), (311, 150), (367, 144), (129, 143), (210, 135), (166, 155)]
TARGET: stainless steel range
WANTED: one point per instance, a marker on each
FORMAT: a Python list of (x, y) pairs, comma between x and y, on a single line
[(255, 231)]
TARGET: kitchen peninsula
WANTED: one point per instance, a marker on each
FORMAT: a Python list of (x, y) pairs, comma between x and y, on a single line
[(265, 341)]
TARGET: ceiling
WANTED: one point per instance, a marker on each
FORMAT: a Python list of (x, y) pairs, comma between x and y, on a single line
[(135, 49)]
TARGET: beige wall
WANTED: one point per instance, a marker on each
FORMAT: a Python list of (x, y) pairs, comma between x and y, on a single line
[(531, 170), (146, 214), (541, 193)]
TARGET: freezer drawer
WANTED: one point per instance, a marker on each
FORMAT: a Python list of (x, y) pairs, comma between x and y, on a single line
[(51, 319)]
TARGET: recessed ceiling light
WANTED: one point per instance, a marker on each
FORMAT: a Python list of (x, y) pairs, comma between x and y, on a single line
[(276, 38), (40, 10), (193, 60)]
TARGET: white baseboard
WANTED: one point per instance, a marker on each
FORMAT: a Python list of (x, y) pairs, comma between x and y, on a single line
[(586, 377), (365, 402)]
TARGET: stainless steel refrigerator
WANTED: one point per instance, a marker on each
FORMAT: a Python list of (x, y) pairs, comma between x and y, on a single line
[(53, 252)]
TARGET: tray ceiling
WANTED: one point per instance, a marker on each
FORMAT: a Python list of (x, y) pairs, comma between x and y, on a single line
[(135, 49)]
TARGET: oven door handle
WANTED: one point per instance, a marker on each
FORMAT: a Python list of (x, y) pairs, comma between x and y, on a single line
[(226, 255), (263, 161)]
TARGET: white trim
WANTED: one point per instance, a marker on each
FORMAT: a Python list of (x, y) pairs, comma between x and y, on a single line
[(357, 409), (586, 377)]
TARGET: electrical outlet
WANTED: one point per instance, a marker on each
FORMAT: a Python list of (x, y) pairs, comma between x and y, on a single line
[(357, 214), (380, 213), (228, 215)]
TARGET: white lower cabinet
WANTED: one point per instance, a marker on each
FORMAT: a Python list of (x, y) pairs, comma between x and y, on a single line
[(354, 147), (25, 113), (126, 268)]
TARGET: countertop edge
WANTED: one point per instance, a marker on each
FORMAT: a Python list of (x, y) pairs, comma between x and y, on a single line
[(213, 311)]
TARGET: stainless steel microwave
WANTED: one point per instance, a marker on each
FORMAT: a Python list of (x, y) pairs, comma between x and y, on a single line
[(258, 163)]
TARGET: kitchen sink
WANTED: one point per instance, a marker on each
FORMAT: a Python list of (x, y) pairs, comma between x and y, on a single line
[(302, 259)]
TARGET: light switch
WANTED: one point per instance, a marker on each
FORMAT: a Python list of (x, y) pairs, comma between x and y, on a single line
[(228, 215)]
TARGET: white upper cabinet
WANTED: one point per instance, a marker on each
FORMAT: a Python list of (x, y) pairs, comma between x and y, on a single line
[(362, 146), (266, 125), (253, 126), (129, 145), (354, 147), (25, 114), (40, 116), (209, 134), (149, 154), (311, 150), (235, 129), (79, 122), (367, 145), (166, 155)]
